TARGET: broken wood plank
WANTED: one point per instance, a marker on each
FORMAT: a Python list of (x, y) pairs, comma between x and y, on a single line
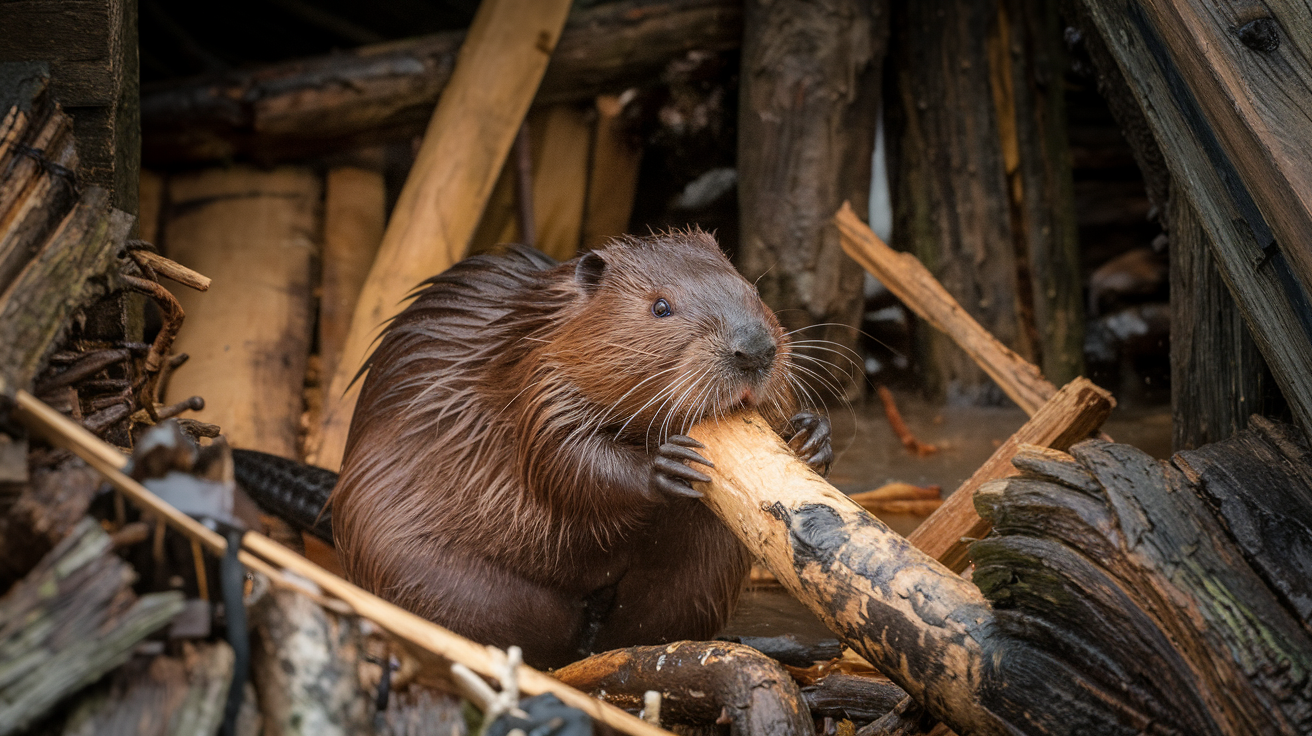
[(811, 80), (71, 620), (387, 92), (495, 79), (1071, 415), (700, 683), (1249, 251), (249, 335), (917, 288), (612, 176)]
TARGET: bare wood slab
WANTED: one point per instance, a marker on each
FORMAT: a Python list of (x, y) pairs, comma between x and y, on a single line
[(1071, 415), (355, 214), (387, 91), (248, 336), (912, 283), (613, 178), (562, 138), (495, 79)]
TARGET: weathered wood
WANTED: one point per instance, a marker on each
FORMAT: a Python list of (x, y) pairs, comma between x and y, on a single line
[(612, 176), (855, 698), (1218, 377), (387, 92), (355, 214), (306, 667), (159, 696), (248, 336), (54, 501), (71, 620), (70, 271), (1074, 413), (495, 79), (1262, 280), (699, 683), (808, 100), (916, 287)]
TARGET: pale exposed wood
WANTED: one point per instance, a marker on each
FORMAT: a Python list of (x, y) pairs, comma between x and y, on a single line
[(488, 661), (173, 270), (561, 142), (1234, 201), (1071, 415), (248, 336), (613, 179), (150, 202), (472, 129), (912, 283), (355, 213)]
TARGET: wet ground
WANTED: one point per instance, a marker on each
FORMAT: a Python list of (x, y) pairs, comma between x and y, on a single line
[(870, 455)]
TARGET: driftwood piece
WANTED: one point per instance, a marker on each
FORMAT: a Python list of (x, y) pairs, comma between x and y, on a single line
[(699, 683), (384, 92), (72, 619), (1071, 415), (809, 97), (159, 696), (307, 666), (917, 288), (1246, 222), (248, 335), (422, 635), (482, 107), (72, 269)]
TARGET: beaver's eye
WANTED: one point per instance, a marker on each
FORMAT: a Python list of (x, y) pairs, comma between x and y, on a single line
[(661, 308)]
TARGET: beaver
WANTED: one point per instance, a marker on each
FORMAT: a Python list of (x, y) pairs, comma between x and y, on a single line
[(517, 467)]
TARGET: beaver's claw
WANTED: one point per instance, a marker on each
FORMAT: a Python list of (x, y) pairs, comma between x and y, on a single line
[(810, 439), (670, 475)]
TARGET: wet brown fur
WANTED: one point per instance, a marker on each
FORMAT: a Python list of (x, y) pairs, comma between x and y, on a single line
[(496, 476)]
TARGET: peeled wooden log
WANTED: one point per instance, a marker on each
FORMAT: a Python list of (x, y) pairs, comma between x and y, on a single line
[(374, 93), (699, 683), (71, 620)]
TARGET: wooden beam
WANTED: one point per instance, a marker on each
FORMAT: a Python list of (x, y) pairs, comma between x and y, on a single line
[(1233, 206), (482, 107), (355, 215), (387, 92), (613, 175)]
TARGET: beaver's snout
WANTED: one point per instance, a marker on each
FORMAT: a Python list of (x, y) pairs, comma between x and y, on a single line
[(753, 349)]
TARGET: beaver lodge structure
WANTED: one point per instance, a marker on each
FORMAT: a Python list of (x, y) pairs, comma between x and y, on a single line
[(1036, 162)]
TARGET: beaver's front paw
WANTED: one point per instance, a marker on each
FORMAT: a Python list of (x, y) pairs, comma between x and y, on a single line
[(809, 437), (669, 473)]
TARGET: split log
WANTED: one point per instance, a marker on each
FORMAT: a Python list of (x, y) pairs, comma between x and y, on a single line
[(809, 96), (387, 92), (699, 683), (307, 667), (613, 175), (248, 336), (159, 696), (1074, 413), (71, 620), (495, 78), (916, 287), (355, 214), (1244, 199)]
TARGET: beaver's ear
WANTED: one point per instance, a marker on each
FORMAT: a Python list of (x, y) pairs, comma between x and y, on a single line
[(591, 267)]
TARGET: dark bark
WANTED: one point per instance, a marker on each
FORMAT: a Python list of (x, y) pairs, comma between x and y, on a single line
[(808, 101), (852, 697)]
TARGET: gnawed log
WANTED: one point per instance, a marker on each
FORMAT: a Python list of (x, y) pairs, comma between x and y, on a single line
[(71, 620), (387, 92), (699, 683)]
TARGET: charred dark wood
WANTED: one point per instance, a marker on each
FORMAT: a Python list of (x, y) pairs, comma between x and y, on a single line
[(699, 682), (788, 649), (387, 92), (811, 78), (71, 620), (852, 697)]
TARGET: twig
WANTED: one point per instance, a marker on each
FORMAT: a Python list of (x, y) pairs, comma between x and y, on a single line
[(909, 441), (170, 269), (159, 350)]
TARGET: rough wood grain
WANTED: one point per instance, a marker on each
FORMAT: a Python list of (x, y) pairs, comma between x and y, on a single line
[(387, 92), (253, 233), (355, 214), (916, 287), (562, 140), (699, 683), (612, 175), (808, 99), (1270, 296), (495, 79)]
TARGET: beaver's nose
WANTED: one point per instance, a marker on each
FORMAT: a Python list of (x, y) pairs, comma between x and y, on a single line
[(753, 349)]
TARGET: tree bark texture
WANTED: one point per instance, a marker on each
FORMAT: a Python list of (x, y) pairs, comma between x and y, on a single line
[(983, 192), (809, 96)]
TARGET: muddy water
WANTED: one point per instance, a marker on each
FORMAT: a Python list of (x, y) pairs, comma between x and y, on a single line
[(869, 455)]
